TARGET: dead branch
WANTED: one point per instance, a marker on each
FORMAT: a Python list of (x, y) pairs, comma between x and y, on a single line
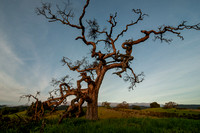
[(140, 18)]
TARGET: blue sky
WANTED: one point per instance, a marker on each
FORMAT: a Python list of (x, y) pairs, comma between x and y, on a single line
[(31, 49)]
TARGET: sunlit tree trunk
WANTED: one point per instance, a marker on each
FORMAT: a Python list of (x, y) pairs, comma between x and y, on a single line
[(92, 107)]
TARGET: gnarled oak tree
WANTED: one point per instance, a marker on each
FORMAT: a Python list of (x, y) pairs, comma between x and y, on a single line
[(93, 74)]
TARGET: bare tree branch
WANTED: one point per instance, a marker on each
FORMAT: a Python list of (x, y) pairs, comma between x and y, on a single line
[(141, 17)]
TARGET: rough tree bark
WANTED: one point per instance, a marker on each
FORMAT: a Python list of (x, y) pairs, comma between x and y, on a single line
[(93, 73), (92, 110)]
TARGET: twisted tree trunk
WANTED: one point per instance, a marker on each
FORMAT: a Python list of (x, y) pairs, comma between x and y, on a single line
[(92, 107), (93, 92)]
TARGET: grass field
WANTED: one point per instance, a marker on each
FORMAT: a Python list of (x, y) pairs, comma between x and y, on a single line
[(113, 121), (173, 110)]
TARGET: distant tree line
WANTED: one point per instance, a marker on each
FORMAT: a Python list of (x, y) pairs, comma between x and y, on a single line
[(125, 105)]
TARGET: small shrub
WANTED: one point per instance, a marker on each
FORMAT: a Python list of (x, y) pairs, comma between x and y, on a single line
[(106, 105), (154, 105), (136, 107), (123, 105), (170, 105)]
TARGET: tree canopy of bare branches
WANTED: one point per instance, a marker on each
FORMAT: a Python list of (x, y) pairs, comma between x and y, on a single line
[(114, 59)]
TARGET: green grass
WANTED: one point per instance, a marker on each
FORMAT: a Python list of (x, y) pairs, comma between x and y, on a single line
[(117, 125), (112, 121), (173, 110), (22, 114), (104, 113)]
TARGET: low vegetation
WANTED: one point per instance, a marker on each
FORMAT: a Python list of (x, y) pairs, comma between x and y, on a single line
[(136, 107), (106, 104), (170, 105), (111, 120), (123, 105), (113, 125), (154, 105), (4, 110)]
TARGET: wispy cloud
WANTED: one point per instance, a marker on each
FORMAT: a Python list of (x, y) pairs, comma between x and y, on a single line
[(16, 76), (9, 65)]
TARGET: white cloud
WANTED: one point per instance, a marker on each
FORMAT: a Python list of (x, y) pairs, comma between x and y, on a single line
[(7, 57)]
